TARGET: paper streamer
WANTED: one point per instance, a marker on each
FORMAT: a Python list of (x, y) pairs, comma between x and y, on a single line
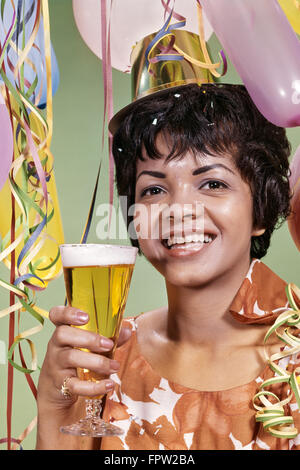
[(173, 52), (270, 409), (34, 67), (6, 142), (108, 95), (33, 207), (166, 30)]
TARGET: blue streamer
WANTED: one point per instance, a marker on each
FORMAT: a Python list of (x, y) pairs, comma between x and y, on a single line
[(31, 241), (166, 29)]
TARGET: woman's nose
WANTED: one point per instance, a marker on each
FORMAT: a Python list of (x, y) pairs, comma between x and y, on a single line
[(177, 211), (182, 203), (181, 217)]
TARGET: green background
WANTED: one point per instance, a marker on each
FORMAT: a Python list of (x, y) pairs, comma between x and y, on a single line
[(77, 150)]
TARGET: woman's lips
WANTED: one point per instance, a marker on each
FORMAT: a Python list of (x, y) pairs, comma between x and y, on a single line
[(188, 248)]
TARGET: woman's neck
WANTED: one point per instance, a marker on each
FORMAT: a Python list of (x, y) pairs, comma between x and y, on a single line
[(197, 333), (201, 314)]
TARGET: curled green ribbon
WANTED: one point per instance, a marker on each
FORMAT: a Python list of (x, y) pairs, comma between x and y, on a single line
[(270, 414)]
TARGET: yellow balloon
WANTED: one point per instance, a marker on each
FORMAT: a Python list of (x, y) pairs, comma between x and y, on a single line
[(292, 10), (52, 235)]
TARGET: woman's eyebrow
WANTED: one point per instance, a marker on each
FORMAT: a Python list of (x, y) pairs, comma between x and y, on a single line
[(198, 171), (206, 168), (156, 174)]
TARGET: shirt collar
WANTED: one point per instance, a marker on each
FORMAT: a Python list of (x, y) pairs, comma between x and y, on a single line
[(261, 297)]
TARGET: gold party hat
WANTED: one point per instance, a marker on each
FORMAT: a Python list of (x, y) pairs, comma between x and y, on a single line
[(157, 76)]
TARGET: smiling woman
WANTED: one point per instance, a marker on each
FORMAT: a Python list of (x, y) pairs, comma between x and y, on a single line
[(211, 120), (227, 204), (207, 175)]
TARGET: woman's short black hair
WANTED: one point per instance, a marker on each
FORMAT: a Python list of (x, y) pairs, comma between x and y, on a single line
[(211, 119)]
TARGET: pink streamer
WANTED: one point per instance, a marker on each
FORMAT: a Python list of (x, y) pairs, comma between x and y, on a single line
[(168, 10), (108, 93)]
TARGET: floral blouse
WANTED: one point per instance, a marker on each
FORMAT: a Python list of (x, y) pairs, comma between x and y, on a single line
[(157, 414)]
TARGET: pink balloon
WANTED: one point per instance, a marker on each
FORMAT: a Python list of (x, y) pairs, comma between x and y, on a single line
[(294, 220), (265, 51), (6, 142), (295, 168), (131, 21)]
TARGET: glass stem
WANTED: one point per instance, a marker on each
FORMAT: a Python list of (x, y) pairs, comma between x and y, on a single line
[(93, 408)]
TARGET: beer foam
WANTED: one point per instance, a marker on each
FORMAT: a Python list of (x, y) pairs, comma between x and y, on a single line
[(96, 255)]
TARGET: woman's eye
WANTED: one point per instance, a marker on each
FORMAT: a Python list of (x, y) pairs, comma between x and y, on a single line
[(154, 190), (214, 185)]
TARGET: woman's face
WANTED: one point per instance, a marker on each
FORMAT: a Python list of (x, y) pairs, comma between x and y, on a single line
[(193, 216)]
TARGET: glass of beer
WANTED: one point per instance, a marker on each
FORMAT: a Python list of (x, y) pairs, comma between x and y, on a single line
[(97, 280)]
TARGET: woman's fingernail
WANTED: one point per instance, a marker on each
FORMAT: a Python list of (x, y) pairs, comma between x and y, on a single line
[(106, 343), (109, 386), (82, 317)]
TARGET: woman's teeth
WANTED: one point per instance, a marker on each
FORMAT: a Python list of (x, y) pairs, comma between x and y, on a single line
[(189, 239)]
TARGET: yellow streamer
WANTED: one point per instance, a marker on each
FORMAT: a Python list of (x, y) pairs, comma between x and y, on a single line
[(208, 63)]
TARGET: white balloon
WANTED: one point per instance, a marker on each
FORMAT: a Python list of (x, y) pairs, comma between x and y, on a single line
[(131, 21)]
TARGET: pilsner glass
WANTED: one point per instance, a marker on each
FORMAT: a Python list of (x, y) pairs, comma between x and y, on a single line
[(97, 280)]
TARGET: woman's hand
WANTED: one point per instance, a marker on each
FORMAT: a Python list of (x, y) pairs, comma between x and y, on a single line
[(62, 358)]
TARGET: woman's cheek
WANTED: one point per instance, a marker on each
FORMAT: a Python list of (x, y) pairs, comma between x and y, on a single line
[(148, 227), (147, 221)]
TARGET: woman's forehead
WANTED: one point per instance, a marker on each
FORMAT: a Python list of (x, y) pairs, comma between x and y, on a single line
[(190, 158)]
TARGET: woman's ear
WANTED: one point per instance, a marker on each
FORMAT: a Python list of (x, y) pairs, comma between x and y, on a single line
[(258, 232)]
